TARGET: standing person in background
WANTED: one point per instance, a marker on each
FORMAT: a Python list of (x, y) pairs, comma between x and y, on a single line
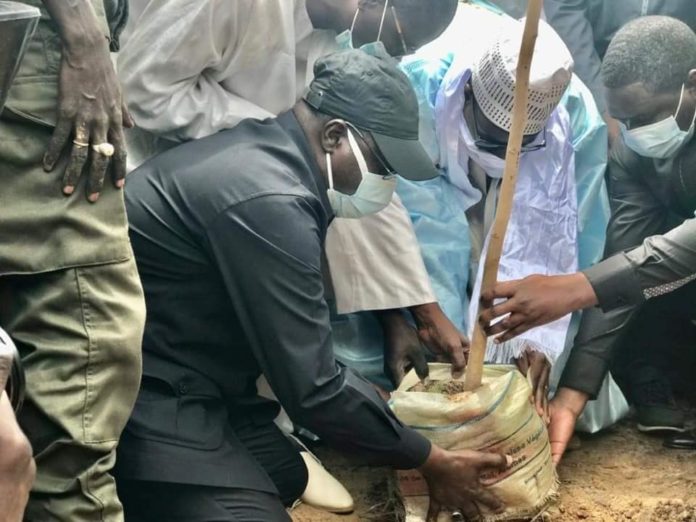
[(587, 27), (17, 466), (69, 290), (191, 69)]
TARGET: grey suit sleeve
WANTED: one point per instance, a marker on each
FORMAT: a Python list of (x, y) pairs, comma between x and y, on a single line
[(569, 19), (660, 265), (268, 251), (636, 214)]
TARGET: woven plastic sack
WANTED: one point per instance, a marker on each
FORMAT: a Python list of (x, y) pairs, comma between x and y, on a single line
[(498, 417)]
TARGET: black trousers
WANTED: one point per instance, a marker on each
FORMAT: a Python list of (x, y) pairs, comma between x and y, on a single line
[(662, 335), (279, 457)]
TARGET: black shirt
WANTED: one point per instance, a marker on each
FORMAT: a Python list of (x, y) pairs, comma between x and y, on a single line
[(228, 234)]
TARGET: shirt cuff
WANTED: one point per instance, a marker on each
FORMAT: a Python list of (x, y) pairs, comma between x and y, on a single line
[(615, 283), (584, 372), (416, 450)]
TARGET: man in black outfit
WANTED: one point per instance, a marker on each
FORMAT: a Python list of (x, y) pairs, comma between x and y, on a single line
[(228, 233)]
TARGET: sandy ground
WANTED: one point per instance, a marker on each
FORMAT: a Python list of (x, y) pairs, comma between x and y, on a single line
[(617, 476)]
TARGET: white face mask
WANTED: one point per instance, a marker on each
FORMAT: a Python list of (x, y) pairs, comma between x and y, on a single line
[(376, 48), (372, 195), (663, 139)]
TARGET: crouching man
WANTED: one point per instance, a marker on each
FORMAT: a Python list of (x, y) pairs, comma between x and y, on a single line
[(228, 233)]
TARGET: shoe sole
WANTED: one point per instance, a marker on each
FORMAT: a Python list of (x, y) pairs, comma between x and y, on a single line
[(653, 429)]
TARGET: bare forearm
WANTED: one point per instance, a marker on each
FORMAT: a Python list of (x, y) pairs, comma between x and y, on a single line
[(77, 22)]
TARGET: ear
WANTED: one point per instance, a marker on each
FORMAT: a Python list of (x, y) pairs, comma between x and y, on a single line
[(691, 82), (332, 133), (468, 89)]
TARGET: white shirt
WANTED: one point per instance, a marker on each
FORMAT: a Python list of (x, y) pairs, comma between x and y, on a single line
[(190, 68)]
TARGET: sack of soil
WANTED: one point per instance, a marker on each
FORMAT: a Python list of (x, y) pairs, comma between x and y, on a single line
[(498, 417)]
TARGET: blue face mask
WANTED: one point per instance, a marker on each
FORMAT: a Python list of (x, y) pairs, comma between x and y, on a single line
[(376, 48)]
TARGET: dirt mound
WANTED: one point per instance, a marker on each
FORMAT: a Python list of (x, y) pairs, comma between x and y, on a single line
[(617, 476)]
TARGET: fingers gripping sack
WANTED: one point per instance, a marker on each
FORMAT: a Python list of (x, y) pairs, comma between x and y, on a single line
[(498, 418)]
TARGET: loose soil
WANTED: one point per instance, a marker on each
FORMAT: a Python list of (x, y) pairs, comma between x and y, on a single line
[(441, 387), (617, 476)]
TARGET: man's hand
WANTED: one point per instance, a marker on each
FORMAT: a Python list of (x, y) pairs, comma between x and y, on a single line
[(537, 368), (454, 481), (91, 115), (402, 348), (564, 409), (534, 301), (441, 337)]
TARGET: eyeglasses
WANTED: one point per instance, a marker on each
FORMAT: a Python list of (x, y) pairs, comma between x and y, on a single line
[(494, 146), (383, 163)]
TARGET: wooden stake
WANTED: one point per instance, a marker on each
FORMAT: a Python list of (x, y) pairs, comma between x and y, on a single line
[(477, 353)]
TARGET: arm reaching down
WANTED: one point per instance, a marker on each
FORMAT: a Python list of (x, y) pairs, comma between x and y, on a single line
[(90, 107), (269, 250)]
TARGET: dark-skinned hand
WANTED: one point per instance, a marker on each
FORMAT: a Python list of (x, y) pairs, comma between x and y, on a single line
[(533, 301), (537, 368), (564, 409), (441, 337), (454, 481), (402, 348), (90, 112)]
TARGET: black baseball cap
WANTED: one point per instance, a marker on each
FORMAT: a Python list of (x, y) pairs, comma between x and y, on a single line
[(372, 93)]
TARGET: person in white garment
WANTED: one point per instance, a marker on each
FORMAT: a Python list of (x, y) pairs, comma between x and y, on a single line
[(190, 69), (466, 94)]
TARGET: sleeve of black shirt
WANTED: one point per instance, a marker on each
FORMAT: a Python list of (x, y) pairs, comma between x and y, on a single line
[(636, 213), (268, 251)]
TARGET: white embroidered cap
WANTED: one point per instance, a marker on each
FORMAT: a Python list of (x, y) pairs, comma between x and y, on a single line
[(493, 77)]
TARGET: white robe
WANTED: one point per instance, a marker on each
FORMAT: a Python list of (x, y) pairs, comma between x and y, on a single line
[(191, 68)]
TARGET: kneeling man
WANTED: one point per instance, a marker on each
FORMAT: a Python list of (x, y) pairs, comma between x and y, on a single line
[(228, 233)]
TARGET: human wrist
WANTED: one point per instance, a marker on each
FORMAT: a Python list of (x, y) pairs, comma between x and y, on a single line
[(435, 459), (79, 44), (581, 291), (390, 318), (78, 26), (573, 400), (424, 313)]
